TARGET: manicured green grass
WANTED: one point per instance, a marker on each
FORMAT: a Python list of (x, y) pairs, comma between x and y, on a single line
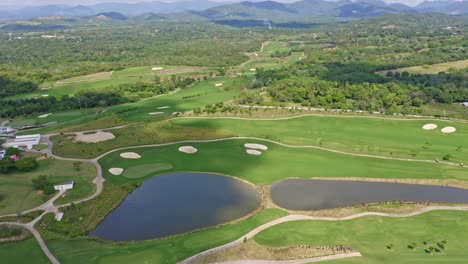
[(140, 171), (59, 117), (17, 194), (386, 137), (435, 68), (198, 95), (229, 157), (170, 250), (130, 75), (27, 251), (159, 132), (371, 235)]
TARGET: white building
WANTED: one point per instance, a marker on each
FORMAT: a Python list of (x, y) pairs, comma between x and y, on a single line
[(2, 154), (28, 141), (65, 186), (464, 104)]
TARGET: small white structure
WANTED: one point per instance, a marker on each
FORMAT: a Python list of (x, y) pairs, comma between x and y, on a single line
[(7, 130), (27, 141), (59, 216), (65, 186), (464, 104), (2, 154)]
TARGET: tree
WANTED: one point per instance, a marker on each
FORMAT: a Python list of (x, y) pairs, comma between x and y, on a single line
[(26, 164), (12, 151)]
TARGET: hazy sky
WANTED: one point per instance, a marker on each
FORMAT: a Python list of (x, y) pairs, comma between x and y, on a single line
[(87, 2)]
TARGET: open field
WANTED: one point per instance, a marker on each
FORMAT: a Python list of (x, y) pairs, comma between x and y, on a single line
[(362, 135), (27, 251), (170, 250), (103, 80), (434, 68), (59, 117), (229, 158), (371, 235), (16, 190), (198, 95), (373, 136)]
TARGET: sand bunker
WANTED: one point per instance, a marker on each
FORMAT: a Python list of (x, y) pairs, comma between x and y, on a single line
[(188, 149), (45, 95), (253, 69), (156, 68), (99, 136), (164, 107), (156, 113), (116, 171), (429, 126), (219, 84), (256, 146), (130, 155), (253, 152), (448, 130), (45, 115)]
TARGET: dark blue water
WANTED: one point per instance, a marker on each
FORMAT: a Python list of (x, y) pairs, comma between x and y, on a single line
[(304, 195), (178, 203)]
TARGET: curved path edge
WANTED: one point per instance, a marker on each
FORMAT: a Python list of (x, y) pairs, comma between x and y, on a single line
[(292, 218)]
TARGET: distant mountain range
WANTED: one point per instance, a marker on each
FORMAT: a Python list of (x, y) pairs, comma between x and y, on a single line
[(303, 10)]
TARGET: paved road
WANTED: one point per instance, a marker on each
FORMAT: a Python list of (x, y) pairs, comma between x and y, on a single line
[(291, 218)]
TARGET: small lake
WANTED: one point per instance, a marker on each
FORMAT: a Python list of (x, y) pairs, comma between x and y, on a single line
[(304, 195), (178, 203)]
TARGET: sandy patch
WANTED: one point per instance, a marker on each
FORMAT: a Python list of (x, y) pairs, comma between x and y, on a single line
[(253, 69), (130, 155), (164, 107), (429, 126), (116, 171), (45, 95), (45, 115), (253, 152), (218, 84), (41, 158), (156, 113), (188, 149), (156, 68), (99, 136), (447, 130), (256, 146)]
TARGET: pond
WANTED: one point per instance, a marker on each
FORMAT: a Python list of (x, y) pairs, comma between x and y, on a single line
[(305, 195), (178, 203)]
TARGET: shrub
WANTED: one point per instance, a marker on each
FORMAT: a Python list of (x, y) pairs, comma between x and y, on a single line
[(447, 156), (26, 164)]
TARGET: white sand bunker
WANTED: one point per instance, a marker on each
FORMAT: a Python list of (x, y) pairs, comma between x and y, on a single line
[(253, 152), (116, 171), (164, 107), (253, 69), (256, 146), (219, 84), (45, 95), (447, 130), (188, 149), (99, 136), (157, 68), (429, 126), (156, 113), (45, 115), (130, 155)]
